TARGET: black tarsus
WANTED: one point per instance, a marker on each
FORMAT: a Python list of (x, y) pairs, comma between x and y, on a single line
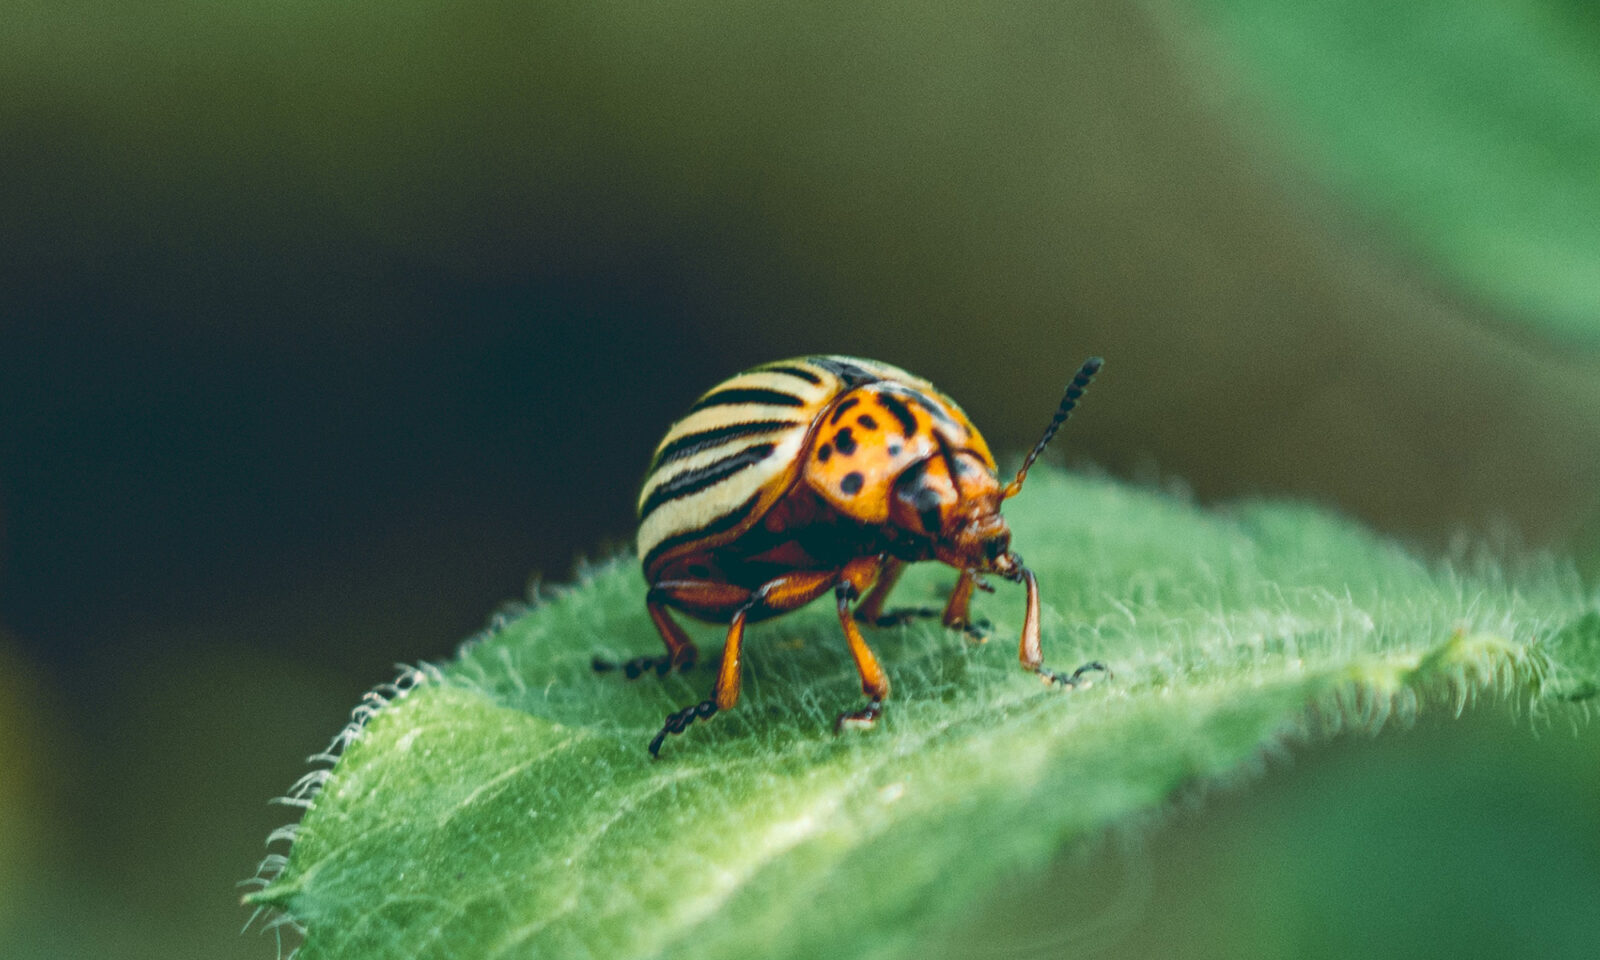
[(679, 722), (639, 666), (867, 715), (898, 616), (1061, 679)]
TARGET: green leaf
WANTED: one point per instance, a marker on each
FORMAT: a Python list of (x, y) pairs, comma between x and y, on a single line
[(505, 807), (1468, 130), (1575, 654)]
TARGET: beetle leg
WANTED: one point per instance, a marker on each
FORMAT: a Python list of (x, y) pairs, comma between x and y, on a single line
[(724, 695), (788, 592), (958, 610), (681, 651), (870, 610), (1031, 656), (874, 682)]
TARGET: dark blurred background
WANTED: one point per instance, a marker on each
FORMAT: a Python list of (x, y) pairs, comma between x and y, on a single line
[(323, 327)]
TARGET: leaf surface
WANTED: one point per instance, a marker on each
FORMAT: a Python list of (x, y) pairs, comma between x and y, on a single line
[(506, 807)]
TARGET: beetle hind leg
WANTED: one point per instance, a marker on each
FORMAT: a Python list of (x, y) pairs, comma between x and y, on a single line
[(787, 592), (681, 651)]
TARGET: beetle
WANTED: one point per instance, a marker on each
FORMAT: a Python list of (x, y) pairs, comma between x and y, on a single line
[(818, 474)]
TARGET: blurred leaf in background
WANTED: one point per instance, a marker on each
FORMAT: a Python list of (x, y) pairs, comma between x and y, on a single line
[(26, 786), (1467, 131)]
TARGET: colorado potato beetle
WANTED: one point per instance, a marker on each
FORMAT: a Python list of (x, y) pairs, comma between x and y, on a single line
[(815, 474)]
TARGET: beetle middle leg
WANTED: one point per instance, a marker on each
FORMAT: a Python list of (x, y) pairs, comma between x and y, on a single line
[(870, 610), (958, 610)]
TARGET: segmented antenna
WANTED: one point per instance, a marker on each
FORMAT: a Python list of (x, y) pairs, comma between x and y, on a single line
[(1075, 390)]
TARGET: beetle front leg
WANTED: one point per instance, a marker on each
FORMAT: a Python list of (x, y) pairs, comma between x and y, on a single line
[(1029, 652)]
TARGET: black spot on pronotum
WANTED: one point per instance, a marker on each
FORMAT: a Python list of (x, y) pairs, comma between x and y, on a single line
[(851, 484), (930, 519), (902, 413), (894, 449), (866, 422), (824, 452), (845, 442), (912, 476), (839, 411)]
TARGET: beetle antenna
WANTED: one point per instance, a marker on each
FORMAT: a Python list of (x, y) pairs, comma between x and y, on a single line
[(1075, 390)]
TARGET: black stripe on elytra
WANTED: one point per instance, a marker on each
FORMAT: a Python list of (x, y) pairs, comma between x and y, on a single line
[(722, 524), (692, 443), (839, 411), (852, 375), (902, 413), (737, 395), (800, 372), (690, 482)]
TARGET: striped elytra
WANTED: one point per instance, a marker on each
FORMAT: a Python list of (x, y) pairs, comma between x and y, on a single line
[(817, 475), (743, 445), (749, 440)]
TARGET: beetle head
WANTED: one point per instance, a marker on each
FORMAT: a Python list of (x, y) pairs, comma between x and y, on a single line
[(953, 499)]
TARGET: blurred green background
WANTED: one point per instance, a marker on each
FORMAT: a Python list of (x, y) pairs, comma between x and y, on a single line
[(322, 326)]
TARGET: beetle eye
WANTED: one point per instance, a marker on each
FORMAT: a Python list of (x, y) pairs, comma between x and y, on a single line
[(994, 547)]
